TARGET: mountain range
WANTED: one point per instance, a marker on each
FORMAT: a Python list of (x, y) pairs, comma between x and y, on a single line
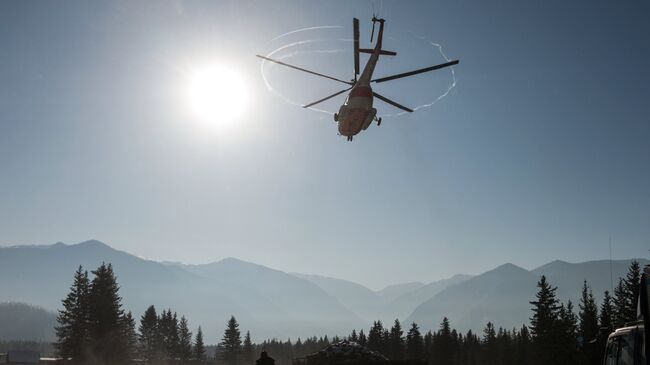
[(275, 304)]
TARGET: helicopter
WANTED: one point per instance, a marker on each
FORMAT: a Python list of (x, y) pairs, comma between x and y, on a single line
[(357, 112)]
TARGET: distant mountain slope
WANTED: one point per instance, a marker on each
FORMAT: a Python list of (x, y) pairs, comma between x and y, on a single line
[(500, 295), (392, 292), (20, 321), (406, 303), (568, 277), (359, 299), (207, 294)]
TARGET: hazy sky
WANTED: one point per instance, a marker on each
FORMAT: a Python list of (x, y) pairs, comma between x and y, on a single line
[(542, 150)]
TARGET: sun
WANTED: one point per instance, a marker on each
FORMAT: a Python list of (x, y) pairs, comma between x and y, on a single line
[(217, 94)]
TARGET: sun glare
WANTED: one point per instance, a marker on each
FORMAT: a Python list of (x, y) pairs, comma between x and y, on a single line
[(217, 94)]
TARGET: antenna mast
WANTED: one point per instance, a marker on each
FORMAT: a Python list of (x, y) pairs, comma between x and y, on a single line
[(611, 274)]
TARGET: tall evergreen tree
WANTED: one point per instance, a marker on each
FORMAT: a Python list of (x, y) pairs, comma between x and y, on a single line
[(248, 349), (353, 336), (230, 345), (523, 346), (566, 335), (130, 335), (363, 340), (606, 313), (106, 317), (184, 340), (375, 337), (442, 343), (490, 355), (199, 347), (414, 343), (72, 321), (631, 285), (396, 342), (588, 315), (544, 323), (620, 305), (149, 338)]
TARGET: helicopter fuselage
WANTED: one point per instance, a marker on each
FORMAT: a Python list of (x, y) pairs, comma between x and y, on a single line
[(357, 113)]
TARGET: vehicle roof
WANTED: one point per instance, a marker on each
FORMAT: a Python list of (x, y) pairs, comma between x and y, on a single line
[(625, 330)]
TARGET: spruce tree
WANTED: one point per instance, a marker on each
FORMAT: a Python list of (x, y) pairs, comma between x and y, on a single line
[(396, 342), (375, 336), (149, 338), (566, 335), (490, 355), (544, 323), (184, 340), (631, 285), (130, 335), (414, 343), (442, 343), (353, 336), (363, 340), (248, 349), (619, 305), (199, 347), (606, 313), (106, 317), (72, 321), (523, 346), (230, 345), (428, 346), (588, 315)]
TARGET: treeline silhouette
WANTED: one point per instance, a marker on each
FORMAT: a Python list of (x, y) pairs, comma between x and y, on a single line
[(93, 328)]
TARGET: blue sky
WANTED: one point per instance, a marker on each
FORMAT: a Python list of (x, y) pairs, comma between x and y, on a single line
[(540, 152)]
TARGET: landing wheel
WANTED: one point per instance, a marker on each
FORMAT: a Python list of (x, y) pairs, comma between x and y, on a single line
[(378, 122), (336, 117)]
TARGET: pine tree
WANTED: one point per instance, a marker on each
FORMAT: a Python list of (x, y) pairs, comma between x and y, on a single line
[(168, 329), (149, 338), (199, 347), (375, 336), (230, 345), (106, 317), (588, 315), (414, 343), (428, 346), (631, 285), (566, 334), (130, 335), (363, 340), (72, 329), (620, 305), (248, 349), (523, 346), (184, 340), (544, 323), (353, 336), (490, 355), (396, 342), (442, 343), (606, 313)]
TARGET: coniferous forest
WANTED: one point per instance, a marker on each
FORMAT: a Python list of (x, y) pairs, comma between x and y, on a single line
[(94, 328)]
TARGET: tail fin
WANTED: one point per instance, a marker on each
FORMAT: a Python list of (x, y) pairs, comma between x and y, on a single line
[(382, 52)]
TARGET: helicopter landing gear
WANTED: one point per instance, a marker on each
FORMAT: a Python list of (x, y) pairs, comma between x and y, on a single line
[(336, 117), (378, 122), (349, 138)]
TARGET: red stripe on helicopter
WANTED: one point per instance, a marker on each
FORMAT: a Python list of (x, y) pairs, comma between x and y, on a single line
[(361, 91)]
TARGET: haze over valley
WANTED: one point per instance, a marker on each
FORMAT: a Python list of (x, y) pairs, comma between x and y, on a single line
[(275, 304)]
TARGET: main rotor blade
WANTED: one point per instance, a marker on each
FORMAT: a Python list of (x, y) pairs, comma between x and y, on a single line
[(383, 98), (355, 26), (304, 70), (415, 72), (326, 98)]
